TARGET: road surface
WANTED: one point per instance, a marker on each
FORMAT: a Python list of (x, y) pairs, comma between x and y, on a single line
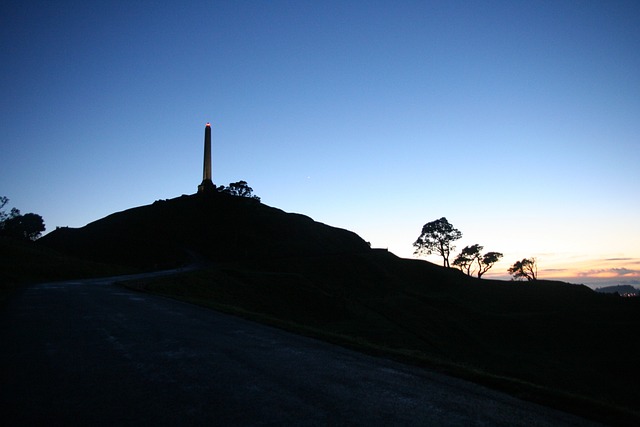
[(92, 353)]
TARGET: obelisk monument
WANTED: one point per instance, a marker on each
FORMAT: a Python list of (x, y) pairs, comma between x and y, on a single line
[(207, 184)]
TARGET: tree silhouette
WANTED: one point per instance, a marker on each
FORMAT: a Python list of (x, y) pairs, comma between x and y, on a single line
[(239, 189), (466, 258), (525, 269), (437, 237), (5, 216), (487, 261), (3, 201), (28, 226), (470, 256)]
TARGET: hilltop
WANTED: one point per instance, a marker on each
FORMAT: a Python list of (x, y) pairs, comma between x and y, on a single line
[(214, 226), (559, 344)]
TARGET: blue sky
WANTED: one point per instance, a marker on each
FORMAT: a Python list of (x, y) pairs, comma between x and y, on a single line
[(518, 121)]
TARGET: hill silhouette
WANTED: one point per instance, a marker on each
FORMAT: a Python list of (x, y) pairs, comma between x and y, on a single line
[(556, 343), (214, 226)]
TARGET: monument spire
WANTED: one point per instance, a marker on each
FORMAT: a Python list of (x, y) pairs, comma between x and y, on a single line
[(207, 184)]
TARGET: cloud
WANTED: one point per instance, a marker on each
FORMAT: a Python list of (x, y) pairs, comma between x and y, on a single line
[(624, 271), (610, 272), (626, 260)]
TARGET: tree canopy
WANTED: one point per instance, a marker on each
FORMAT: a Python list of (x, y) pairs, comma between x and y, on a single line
[(437, 237), (28, 226), (525, 269), (239, 189), (3, 215), (470, 260), (467, 257), (487, 261)]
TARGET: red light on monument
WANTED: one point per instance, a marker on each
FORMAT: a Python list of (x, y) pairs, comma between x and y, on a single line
[(208, 124)]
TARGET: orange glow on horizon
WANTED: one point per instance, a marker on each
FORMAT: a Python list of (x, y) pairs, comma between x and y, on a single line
[(605, 269)]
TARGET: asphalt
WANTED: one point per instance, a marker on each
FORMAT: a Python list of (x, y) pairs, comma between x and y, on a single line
[(93, 353)]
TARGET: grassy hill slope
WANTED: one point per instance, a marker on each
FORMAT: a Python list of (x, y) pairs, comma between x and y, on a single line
[(214, 226), (25, 262), (559, 344)]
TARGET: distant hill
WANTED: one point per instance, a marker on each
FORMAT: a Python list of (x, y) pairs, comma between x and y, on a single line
[(620, 289), (215, 226)]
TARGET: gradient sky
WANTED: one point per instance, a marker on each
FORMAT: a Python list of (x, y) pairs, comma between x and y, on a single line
[(518, 121)]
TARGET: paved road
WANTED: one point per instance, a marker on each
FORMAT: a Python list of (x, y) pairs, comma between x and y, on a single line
[(92, 353)]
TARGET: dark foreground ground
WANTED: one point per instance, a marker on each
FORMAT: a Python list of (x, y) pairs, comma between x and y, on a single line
[(92, 353)]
